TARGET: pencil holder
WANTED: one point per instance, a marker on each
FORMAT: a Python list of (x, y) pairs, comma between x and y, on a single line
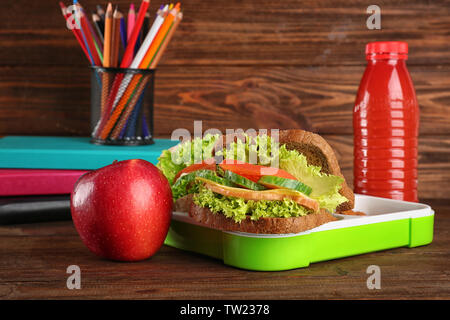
[(122, 106)]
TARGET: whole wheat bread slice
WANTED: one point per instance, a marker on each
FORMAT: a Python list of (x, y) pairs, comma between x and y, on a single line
[(319, 153), (262, 225), (183, 204)]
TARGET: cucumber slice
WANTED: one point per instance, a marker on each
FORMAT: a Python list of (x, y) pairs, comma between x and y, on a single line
[(274, 182), (207, 174), (242, 181)]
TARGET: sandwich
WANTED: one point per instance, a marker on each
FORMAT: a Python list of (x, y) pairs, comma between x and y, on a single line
[(261, 183)]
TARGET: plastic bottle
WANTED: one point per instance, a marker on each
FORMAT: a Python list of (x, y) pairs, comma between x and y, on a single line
[(385, 125)]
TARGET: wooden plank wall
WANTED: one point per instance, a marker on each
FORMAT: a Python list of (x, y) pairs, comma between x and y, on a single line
[(240, 64)]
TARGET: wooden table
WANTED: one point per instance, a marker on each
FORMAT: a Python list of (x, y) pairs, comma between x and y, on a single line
[(34, 259)]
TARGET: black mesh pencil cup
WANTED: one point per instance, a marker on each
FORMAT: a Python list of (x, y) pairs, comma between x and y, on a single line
[(122, 106)]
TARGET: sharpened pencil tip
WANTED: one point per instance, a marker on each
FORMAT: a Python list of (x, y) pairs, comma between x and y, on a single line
[(109, 8), (117, 13), (132, 7)]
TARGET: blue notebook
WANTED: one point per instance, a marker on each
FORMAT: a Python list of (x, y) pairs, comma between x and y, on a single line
[(30, 152)]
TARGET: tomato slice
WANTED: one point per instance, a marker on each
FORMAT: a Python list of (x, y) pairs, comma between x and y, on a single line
[(253, 172), (271, 195), (209, 164)]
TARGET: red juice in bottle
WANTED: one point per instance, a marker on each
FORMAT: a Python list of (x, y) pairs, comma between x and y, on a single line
[(386, 125)]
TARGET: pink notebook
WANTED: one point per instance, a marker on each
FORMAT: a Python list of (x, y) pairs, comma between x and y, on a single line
[(15, 182)]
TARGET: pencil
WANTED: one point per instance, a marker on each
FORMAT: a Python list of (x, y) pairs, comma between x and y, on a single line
[(123, 32), (163, 47), (98, 26), (86, 24), (101, 12), (150, 37), (162, 33), (97, 42), (87, 35), (115, 43), (131, 21), (106, 59), (75, 30), (108, 36), (75, 15), (146, 24), (128, 55)]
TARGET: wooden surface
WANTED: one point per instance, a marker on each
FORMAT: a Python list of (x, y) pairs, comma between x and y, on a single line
[(34, 259)]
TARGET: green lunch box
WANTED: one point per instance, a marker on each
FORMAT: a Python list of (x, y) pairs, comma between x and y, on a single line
[(387, 224)]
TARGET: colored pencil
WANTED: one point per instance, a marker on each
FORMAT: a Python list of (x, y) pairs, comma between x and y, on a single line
[(162, 33), (98, 26), (86, 24), (115, 44), (131, 21), (106, 79), (123, 32), (101, 12), (76, 14), (128, 55), (108, 36), (163, 47), (150, 37), (89, 41), (97, 41), (67, 15), (146, 25)]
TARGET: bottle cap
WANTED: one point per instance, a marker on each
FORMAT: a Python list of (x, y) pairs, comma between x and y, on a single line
[(387, 50)]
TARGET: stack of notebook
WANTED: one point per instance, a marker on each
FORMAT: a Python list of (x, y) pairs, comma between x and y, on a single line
[(37, 174)]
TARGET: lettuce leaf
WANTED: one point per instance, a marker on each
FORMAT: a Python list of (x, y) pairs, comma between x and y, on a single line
[(168, 167), (170, 162), (238, 209), (325, 187), (184, 188), (260, 150)]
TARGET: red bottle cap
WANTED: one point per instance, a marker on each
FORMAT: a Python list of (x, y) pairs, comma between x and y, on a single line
[(387, 50)]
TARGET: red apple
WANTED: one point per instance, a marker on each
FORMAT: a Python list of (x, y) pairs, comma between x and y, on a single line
[(123, 211)]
